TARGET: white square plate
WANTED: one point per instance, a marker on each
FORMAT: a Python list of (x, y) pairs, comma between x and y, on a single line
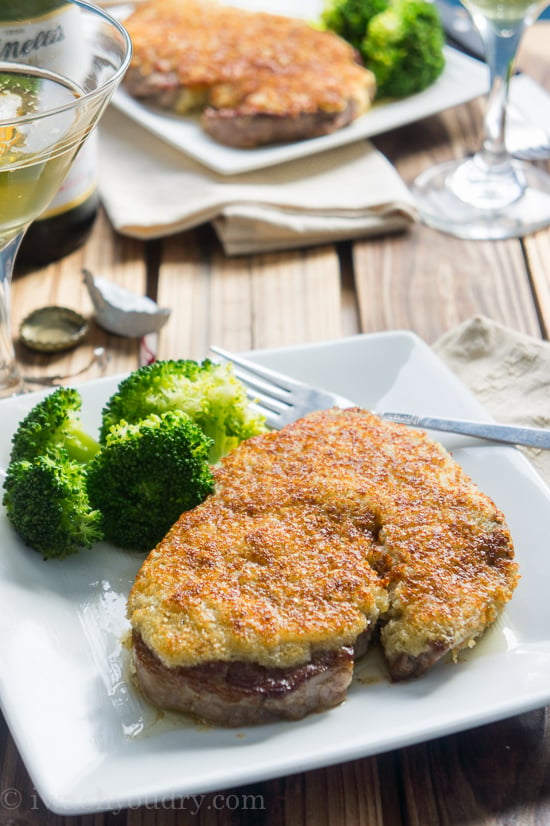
[(462, 79), (90, 742)]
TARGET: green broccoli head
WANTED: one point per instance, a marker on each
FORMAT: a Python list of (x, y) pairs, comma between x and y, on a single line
[(47, 503), (53, 424), (209, 393), (146, 475), (403, 47), (350, 18), (400, 41)]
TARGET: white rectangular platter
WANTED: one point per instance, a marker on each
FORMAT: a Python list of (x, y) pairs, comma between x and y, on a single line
[(463, 79), (91, 742)]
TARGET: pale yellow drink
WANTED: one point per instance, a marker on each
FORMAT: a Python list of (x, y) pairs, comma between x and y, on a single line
[(505, 11), (35, 155)]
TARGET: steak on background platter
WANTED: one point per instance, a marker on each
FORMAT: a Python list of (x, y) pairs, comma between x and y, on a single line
[(256, 78)]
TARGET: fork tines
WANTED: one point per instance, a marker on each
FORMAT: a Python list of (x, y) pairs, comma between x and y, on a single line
[(268, 391), (280, 398)]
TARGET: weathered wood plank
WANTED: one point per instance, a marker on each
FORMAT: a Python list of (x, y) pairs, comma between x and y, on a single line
[(533, 59), (118, 259), (495, 775), (245, 302), (430, 282), (537, 251)]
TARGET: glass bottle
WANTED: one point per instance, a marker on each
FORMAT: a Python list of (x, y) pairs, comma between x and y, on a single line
[(26, 28)]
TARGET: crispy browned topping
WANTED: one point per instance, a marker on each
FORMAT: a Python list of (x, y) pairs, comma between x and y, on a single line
[(256, 62), (313, 534)]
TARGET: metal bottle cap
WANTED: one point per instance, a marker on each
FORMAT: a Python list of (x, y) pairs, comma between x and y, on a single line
[(49, 329)]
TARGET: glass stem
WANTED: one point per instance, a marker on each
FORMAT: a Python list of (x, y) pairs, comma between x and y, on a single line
[(10, 378), (501, 45)]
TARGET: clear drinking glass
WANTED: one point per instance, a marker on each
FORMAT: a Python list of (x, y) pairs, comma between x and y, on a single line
[(47, 110), (490, 195)]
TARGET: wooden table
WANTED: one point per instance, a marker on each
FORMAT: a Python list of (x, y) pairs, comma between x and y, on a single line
[(422, 281)]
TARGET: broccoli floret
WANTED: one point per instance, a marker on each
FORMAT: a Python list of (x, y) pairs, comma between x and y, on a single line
[(209, 393), (350, 18), (403, 47), (47, 503), (52, 424), (146, 474), (400, 41), (44, 490)]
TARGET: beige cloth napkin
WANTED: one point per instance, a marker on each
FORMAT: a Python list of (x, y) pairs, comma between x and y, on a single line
[(508, 371), (150, 189)]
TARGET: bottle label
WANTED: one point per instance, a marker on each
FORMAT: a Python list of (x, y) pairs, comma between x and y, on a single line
[(55, 33)]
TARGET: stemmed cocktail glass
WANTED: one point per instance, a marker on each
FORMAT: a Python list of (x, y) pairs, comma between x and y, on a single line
[(47, 109), (490, 195)]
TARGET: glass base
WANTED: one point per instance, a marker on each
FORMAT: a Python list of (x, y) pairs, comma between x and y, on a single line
[(462, 199), (11, 382)]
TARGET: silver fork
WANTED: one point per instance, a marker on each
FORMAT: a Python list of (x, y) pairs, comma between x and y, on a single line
[(282, 400)]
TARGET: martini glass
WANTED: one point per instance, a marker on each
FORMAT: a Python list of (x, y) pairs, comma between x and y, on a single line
[(47, 110), (490, 195)]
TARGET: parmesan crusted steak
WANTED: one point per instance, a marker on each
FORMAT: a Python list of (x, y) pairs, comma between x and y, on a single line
[(257, 78), (253, 605)]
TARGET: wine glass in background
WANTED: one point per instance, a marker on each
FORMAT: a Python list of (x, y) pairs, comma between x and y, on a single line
[(490, 195), (48, 107)]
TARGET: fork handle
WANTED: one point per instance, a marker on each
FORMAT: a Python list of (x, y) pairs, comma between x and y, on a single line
[(512, 434)]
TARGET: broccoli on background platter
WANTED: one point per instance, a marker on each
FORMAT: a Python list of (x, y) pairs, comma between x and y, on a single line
[(161, 431), (400, 41), (350, 18)]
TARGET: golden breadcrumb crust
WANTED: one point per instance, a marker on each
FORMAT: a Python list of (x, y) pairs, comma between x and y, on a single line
[(315, 534), (233, 58)]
